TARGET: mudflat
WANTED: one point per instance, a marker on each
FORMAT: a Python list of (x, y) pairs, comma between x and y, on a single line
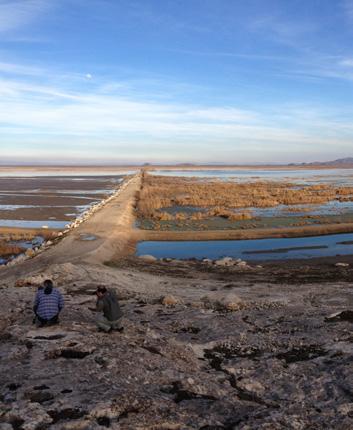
[(51, 198)]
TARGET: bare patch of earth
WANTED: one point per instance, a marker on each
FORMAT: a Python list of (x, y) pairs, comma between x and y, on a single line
[(294, 271)]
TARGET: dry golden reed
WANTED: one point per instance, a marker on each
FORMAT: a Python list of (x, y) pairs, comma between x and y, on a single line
[(221, 198), (6, 249)]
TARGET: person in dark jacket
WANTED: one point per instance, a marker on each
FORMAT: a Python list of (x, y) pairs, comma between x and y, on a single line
[(48, 304), (109, 311)]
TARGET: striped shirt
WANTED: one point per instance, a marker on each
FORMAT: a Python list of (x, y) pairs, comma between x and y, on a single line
[(47, 306)]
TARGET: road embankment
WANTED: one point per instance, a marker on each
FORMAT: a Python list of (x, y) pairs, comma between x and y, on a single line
[(106, 234), (304, 231)]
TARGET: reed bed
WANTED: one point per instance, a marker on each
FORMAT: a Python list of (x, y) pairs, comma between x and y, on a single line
[(221, 198), (8, 234), (6, 250)]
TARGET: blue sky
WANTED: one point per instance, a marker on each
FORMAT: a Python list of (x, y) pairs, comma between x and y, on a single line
[(119, 81)]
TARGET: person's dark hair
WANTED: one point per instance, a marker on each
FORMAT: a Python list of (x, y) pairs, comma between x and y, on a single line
[(101, 289), (48, 286)]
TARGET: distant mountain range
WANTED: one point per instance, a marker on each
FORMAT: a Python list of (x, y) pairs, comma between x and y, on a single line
[(348, 161), (338, 162)]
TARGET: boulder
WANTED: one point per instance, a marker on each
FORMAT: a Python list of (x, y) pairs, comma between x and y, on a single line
[(251, 386), (35, 280), (226, 302), (225, 261), (243, 264), (17, 259), (30, 252), (346, 315), (32, 416), (148, 258), (231, 302), (169, 300), (342, 265)]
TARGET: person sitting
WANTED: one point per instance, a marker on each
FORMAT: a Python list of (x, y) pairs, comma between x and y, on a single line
[(48, 304), (109, 311)]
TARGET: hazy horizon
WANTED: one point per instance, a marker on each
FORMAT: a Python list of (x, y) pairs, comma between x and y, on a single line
[(78, 164), (128, 82)]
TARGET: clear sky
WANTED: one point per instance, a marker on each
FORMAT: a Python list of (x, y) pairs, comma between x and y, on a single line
[(109, 81)]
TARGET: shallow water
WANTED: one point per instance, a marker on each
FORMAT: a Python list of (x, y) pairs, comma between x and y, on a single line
[(87, 237), (30, 173), (310, 176), (28, 244), (37, 241), (33, 224), (258, 249), (333, 207)]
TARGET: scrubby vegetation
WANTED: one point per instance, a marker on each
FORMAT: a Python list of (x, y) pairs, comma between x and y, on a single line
[(11, 234), (8, 235), (7, 250)]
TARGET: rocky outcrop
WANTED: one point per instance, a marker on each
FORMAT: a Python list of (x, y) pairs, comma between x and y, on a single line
[(195, 353)]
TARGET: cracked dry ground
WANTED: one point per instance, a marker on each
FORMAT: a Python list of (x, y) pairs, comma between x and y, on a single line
[(275, 363)]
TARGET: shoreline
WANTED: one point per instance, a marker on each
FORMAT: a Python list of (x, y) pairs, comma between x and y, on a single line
[(142, 234), (194, 235), (139, 168), (134, 235)]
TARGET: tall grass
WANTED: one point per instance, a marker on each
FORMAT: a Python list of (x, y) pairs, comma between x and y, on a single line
[(7, 250), (158, 192), (9, 234)]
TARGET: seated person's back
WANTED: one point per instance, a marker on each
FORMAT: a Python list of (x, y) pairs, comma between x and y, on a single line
[(48, 303)]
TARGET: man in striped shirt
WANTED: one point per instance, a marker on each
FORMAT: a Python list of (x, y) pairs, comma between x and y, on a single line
[(48, 304)]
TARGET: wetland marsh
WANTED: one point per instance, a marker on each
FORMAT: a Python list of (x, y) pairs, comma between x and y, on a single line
[(257, 204)]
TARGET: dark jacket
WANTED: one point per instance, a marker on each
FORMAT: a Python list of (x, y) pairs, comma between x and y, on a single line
[(109, 305)]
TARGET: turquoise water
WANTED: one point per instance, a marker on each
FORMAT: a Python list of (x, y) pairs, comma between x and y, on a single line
[(258, 249)]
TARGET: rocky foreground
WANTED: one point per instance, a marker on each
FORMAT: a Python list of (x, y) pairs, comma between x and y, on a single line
[(209, 348)]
